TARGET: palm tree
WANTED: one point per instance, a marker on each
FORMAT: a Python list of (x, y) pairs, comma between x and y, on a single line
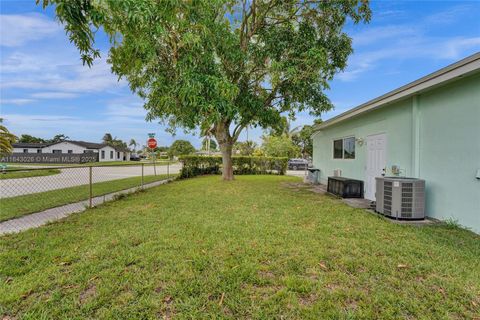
[(206, 131), (134, 144), (6, 139), (284, 128), (107, 138)]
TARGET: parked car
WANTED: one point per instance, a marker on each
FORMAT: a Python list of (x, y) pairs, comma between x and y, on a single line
[(134, 157), (298, 164)]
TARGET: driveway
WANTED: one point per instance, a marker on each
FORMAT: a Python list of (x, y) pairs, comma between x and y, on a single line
[(70, 177)]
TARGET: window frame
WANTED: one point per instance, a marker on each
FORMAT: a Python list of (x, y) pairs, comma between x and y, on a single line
[(343, 148), (333, 149)]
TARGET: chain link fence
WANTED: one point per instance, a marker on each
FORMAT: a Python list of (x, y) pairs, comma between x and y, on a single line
[(30, 197)]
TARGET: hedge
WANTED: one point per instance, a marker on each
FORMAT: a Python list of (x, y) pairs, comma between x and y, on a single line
[(200, 165)]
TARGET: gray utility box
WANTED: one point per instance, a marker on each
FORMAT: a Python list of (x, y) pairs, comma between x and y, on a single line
[(313, 176), (400, 198)]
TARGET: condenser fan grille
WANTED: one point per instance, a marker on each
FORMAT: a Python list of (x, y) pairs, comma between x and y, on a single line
[(401, 197)]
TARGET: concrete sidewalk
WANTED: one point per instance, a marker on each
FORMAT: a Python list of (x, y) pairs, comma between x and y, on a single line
[(38, 219)]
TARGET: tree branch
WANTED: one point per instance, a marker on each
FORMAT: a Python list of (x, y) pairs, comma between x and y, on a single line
[(236, 132)]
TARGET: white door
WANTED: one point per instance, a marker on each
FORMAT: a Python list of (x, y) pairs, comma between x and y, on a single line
[(376, 162)]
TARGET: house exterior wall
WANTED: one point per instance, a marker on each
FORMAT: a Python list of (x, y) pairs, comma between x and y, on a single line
[(450, 151), (64, 146), (434, 136), (108, 155), (394, 121), (30, 150)]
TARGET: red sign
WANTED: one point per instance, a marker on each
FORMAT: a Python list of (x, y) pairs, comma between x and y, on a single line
[(152, 143)]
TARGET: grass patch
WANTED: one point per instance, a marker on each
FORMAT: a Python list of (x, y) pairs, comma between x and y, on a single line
[(250, 248), (27, 174), (15, 207)]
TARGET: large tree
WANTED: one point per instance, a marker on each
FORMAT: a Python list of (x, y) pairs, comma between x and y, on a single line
[(180, 147), (280, 146), (59, 138), (222, 64), (303, 138), (26, 138)]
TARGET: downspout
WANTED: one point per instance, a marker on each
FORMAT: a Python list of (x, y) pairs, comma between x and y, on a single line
[(415, 137)]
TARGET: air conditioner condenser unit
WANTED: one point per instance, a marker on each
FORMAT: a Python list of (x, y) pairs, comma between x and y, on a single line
[(400, 198)]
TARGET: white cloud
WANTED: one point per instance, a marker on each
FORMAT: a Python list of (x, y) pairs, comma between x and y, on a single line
[(64, 78), (119, 110), (397, 42), (16, 30), (17, 102), (449, 49), (377, 34), (53, 95), (448, 16)]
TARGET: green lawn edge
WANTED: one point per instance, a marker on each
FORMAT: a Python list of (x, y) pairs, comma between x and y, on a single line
[(28, 174), (19, 206)]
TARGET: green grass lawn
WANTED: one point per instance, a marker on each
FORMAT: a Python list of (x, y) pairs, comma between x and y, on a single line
[(27, 174), (253, 248), (15, 207)]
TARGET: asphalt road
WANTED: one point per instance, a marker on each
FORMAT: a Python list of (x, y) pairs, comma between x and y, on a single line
[(72, 177)]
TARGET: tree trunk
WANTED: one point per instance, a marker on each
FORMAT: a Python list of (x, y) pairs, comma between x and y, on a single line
[(225, 141), (227, 165)]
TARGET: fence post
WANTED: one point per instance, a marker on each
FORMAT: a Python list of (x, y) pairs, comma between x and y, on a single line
[(143, 164), (90, 186)]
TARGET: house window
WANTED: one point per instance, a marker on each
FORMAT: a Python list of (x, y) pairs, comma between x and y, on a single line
[(70, 151), (118, 155), (57, 151), (344, 148), (349, 148), (25, 150), (338, 149), (39, 150), (103, 154), (111, 154)]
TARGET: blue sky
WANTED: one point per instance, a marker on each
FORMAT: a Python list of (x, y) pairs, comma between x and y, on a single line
[(45, 90)]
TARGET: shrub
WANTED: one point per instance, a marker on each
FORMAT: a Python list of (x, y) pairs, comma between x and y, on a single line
[(200, 165)]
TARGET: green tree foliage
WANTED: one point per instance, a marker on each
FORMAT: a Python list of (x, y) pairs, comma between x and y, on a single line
[(303, 139), (6, 140), (107, 138), (245, 148), (283, 127), (280, 146), (59, 138), (180, 147), (26, 138), (119, 144), (222, 64), (213, 144), (133, 143)]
